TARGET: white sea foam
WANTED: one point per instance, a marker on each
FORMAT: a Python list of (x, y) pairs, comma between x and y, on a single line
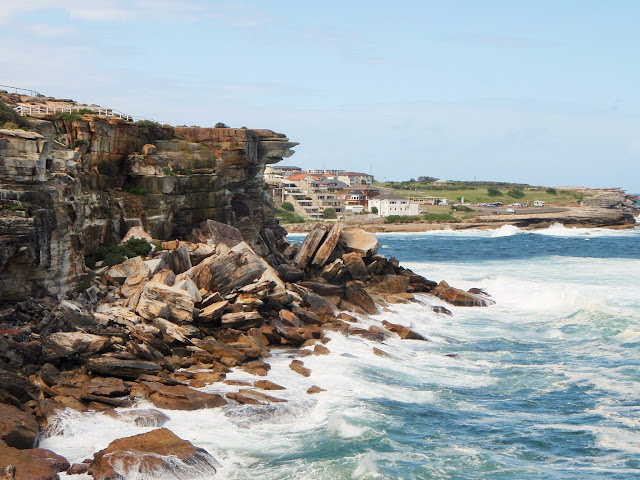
[(506, 231)]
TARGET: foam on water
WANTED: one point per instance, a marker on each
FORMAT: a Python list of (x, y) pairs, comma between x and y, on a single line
[(542, 385)]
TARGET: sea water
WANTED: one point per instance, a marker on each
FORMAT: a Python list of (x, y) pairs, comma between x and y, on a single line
[(545, 384)]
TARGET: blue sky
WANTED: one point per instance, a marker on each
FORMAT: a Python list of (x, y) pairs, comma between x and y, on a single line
[(543, 92)]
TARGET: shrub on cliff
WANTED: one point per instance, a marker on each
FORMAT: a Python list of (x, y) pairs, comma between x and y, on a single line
[(494, 192), (9, 115), (110, 255), (551, 191), (515, 193), (221, 125), (139, 246), (288, 206)]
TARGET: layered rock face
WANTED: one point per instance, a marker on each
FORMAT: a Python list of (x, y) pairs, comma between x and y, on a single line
[(77, 181)]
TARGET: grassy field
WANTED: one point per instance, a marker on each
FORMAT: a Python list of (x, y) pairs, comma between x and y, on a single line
[(481, 195)]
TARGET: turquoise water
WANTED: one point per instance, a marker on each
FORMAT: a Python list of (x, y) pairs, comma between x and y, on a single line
[(543, 385)]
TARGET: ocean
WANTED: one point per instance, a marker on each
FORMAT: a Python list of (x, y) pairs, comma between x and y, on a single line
[(545, 384)]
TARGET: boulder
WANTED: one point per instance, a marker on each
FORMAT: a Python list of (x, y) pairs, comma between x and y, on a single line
[(181, 397), (178, 260), (132, 285), (158, 454), (241, 320), (256, 367), (185, 283), (289, 273), (143, 417), (388, 284), (298, 366), (221, 350), (267, 385), (357, 240), (18, 429), (173, 333), (360, 298), (199, 251), (164, 276), (171, 303), (355, 265), (212, 312), (67, 344), (403, 332), (128, 268), (33, 464), (216, 233), (459, 297), (116, 367), (315, 389), (107, 387)]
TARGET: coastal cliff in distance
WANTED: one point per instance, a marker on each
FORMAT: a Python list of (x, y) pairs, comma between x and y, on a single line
[(80, 179)]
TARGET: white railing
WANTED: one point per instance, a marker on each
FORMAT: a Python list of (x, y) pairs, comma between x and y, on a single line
[(27, 109), (31, 93)]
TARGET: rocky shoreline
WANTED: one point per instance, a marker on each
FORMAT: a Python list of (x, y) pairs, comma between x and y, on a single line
[(573, 217), (159, 328)]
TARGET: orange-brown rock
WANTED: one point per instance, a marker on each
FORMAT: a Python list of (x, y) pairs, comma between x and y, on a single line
[(328, 245), (298, 366), (32, 464), (181, 397), (355, 265), (158, 453), (459, 297), (315, 389), (357, 240), (18, 429), (403, 332), (267, 385), (310, 245)]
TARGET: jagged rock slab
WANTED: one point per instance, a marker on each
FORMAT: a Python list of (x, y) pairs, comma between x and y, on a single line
[(310, 246), (216, 233), (115, 367), (459, 297), (355, 265), (326, 249), (171, 303), (181, 397)]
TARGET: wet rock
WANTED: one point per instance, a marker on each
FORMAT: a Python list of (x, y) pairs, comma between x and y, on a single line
[(380, 353), (18, 429), (256, 367), (315, 389), (321, 350), (459, 297), (159, 453), (220, 350), (298, 366), (181, 397), (267, 385), (403, 332), (388, 284), (33, 464), (144, 417), (442, 310), (78, 469)]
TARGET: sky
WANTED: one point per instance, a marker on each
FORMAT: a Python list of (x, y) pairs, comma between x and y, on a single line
[(542, 92)]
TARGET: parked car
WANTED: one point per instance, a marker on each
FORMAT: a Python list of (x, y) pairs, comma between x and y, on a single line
[(510, 210)]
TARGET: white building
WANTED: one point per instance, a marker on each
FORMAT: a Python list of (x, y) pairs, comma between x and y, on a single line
[(355, 179), (393, 205)]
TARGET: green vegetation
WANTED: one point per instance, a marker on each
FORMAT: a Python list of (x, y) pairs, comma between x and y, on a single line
[(430, 217), (9, 116), (515, 193), (155, 130), (461, 208), (288, 206), (187, 172), (169, 173), (105, 167), (402, 219), (374, 210), (83, 284), (78, 143), (551, 191), (440, 217), (220, 125), (494, 192), (86, 111), (13, 208), (70, 116), (112, 255), (329, 213), (288, 217)]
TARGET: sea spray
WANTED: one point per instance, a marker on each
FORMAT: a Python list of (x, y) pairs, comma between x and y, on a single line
[(542, 385)]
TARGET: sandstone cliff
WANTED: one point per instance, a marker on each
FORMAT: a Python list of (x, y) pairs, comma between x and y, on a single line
[(76, 181)]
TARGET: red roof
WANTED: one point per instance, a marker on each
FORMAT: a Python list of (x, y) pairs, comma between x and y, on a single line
[(300, 176)]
